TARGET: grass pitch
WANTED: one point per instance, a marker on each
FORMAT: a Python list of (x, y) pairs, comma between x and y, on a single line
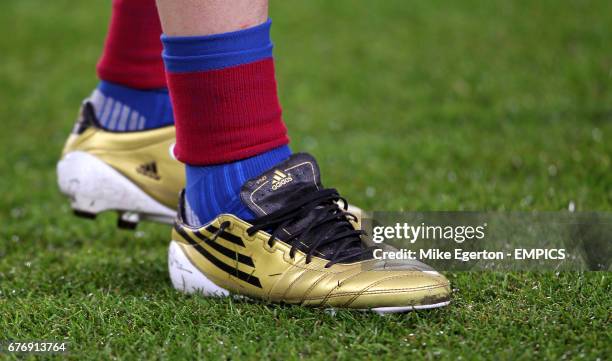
[(438, 105)]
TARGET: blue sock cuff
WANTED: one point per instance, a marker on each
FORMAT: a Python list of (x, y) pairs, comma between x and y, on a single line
[(217, 51)]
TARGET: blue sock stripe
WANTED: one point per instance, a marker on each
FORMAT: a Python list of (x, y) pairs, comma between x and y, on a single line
[(99, 98), (212, 199), (123, 117), (114, 114), (134, 120), (99, 111), (107, 106), (228, 181), (241, 178), (211, 52)]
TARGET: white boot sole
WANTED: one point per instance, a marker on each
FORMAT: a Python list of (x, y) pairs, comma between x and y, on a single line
[(187, 278), (95, 187)]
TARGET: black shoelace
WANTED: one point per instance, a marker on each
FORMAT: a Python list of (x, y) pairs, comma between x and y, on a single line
[(328, 228)]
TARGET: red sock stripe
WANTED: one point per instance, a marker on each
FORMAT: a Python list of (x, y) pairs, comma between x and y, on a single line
[(132, 52), (227, 114)]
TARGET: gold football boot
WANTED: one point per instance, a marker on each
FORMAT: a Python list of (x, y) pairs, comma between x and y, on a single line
[(132, 173), (302, 248)]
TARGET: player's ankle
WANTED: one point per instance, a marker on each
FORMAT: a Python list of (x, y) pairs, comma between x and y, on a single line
[(121, 108), (215, 189)]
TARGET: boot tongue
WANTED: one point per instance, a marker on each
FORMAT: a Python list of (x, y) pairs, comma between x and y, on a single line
[(287, 181)]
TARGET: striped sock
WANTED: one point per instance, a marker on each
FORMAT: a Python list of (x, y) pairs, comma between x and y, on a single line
[(228, 118), (122, 109), (224, 97)]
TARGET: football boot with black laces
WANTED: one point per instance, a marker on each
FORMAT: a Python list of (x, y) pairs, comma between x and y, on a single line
[(303, 248)]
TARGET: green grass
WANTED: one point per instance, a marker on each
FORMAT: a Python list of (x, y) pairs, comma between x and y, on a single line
[(428, 105)]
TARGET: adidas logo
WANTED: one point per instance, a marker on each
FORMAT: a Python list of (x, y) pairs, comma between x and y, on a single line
[(149, 170), (280, 179)]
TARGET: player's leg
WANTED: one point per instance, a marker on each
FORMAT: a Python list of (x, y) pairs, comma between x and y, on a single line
[(220, 72), (131, 71), (257, 221), (117, 156)]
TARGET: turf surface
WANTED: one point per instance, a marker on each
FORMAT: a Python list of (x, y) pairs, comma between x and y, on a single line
[(437, 105)]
